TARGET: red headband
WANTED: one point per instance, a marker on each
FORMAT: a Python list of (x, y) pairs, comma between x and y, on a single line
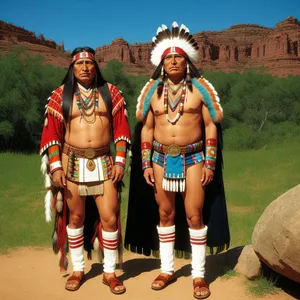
[(174, 50), (83, 54)]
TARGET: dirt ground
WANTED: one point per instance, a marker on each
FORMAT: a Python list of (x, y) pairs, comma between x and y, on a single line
[(33, 273)]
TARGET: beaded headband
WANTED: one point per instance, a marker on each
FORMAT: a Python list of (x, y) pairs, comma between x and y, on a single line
[(179, 40), (83, 54)]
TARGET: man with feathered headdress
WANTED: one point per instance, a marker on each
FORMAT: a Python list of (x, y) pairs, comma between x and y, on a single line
[(83, 115), (180, 158)]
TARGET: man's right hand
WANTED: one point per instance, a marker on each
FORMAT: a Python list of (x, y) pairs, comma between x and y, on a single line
[(59, 179), (149, 176)]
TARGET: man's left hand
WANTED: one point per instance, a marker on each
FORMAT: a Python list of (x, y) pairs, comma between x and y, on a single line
[(117, 173), (207, 176)]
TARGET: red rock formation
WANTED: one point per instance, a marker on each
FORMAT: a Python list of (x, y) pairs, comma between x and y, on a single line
[(53, 53), (233, 49)]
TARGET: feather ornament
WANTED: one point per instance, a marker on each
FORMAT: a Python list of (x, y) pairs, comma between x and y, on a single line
[(59, 202), (143, 101), (166, 31), (182, 31), (48, 201), (177, 37), (54, 243), (210, 98), (48, 182), (44, 164), (175, 30)]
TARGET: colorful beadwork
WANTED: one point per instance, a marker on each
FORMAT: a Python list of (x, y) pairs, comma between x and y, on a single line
[(146, 149), (210, 154), (88, 105), (174, 105)]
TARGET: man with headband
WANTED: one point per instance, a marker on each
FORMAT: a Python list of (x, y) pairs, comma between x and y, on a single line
[(179, 157), (83, 115)]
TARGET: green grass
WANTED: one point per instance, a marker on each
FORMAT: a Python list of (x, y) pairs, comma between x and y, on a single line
[(21, 202), (252, 180), (228, 273), (262, 287)]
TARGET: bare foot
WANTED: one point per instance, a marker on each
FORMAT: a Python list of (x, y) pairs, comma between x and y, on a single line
[(115, 285), (74, 281), (201, 289)]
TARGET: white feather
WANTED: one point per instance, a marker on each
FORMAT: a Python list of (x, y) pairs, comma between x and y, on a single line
[(47, 181), (174, 24), (48, 201), (44, 164), (59, 202)]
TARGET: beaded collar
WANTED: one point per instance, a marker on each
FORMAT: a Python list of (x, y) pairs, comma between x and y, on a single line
[(173, 105)]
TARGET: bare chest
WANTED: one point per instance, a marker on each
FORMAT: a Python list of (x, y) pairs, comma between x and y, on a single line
[(192, 104)]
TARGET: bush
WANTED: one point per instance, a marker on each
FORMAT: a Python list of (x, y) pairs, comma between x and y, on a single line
[(241, 137)]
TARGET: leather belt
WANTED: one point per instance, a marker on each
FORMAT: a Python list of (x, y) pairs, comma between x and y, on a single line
[(174, 150), (89, 153)]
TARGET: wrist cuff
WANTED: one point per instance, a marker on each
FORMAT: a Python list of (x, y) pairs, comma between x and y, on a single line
[(54, 158), (146, 149)]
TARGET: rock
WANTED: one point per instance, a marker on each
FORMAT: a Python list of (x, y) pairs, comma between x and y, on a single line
[(248, 263), (276, 236), (231, 50)]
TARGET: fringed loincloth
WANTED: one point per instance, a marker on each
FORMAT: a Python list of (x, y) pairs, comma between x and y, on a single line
[(174, 159), (89, 168)]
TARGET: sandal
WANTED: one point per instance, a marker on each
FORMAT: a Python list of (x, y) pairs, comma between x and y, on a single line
[(74, 282), (166, 279), (200, 284), (114, 282)]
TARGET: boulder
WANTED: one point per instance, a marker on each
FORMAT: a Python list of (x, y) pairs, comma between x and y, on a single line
[(276, 236), (248, 263)]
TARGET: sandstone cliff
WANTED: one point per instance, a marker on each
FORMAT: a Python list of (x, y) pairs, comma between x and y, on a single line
[(233, 49), (53, 53)]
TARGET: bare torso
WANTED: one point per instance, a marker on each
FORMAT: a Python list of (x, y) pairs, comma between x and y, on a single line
[(187, 129), (82, 134)]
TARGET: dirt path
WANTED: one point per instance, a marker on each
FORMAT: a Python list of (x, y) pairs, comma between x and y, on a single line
[(33, 273)]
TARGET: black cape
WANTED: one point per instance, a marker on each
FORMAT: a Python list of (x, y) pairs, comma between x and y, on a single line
[(143, 217)]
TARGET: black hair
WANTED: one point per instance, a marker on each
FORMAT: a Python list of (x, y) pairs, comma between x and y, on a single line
[(70, 81)]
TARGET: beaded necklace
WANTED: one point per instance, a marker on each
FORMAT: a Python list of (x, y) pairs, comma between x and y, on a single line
[(177, 87), (179, 100), (87, 106), (173, 103)]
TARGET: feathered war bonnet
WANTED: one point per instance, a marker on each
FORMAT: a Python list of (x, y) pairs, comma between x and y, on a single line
[(178, 40)]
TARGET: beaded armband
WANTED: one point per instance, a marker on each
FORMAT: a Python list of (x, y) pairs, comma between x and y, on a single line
[(121, 147), (210, 154), (54, 158), (146, 148)]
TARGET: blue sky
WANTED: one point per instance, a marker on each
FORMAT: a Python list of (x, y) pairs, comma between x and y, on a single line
[(96, 23)]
